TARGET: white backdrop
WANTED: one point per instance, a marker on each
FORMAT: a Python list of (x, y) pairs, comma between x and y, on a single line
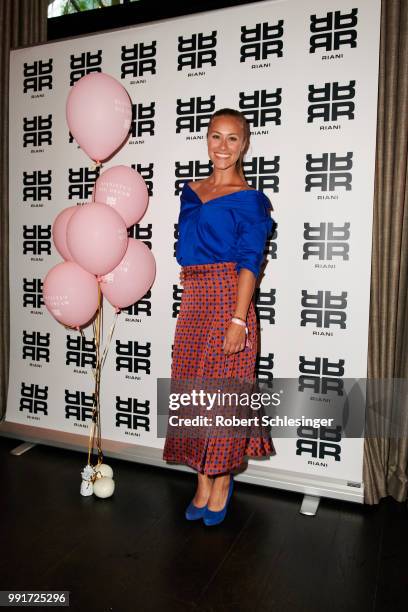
[(305, 75)]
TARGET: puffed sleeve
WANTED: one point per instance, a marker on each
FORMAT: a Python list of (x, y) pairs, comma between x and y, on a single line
[(253, 228), (187, 220)]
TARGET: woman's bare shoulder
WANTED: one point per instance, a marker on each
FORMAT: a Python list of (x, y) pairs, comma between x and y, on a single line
[(194, 184)]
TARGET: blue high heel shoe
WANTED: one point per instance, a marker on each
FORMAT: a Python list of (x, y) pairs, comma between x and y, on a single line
[(212, 517), (193, 513)]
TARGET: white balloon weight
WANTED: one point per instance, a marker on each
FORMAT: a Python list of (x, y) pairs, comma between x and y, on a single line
[(103, 470), (86, 488), (104, 487)]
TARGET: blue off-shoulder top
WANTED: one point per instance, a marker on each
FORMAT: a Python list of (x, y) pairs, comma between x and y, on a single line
[(233, 227)]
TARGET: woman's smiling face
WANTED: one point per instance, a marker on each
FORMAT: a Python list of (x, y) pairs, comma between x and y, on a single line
[(225, 140)]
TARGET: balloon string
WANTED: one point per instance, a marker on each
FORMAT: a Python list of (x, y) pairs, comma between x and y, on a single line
[(91, 437), (94, 411), (98, 380), (96, 421), (101, 297), (112, 329), (97, 325)]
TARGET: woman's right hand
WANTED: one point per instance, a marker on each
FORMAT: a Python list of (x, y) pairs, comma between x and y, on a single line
[(235, 339)]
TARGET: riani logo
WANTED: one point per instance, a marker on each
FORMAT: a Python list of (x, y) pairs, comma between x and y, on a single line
[(134, 357), (142, 122), (138, 61), (261, 108), (81, 183), (260, 42), (37, 132), (33, 400), (196, 52), (36, 347), (142, 307), (33, 295), (262, 173), (264, 368), (83, 64), (321, 375), (37, 187), (37, 77), (78, 407), (81, 354), (326, 242), (193, 116), (323, 379), (328, 172), (189, 171), (323, 310), (132, 415), (146, 171), (319, 443), (265, 305), (37, 241), (332, 32), (330, 103)]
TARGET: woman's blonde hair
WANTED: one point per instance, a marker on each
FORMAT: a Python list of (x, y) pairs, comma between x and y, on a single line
[(247, 133)]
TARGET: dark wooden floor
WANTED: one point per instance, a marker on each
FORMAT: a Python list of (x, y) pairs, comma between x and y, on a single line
[(135, 551)]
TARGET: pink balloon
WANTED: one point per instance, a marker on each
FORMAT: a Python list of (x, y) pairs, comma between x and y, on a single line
[(59, 232), (71, 294), (132, 278), (97, 237), (99, 113), (125, 190)]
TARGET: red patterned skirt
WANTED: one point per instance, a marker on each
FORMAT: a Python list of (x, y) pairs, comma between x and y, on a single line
[(207, 305)]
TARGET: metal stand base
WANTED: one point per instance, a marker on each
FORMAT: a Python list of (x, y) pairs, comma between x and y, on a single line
[(309, 505), (22, 448)]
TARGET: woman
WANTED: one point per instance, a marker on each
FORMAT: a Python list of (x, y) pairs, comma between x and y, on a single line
[(223, 227)]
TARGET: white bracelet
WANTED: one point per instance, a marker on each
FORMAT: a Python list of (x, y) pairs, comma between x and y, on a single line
[(239, 322)]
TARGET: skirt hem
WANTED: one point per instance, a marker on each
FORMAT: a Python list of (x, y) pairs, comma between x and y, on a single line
[(212, 472)]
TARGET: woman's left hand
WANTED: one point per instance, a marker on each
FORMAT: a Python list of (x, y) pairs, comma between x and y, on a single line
[(235, 338)]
